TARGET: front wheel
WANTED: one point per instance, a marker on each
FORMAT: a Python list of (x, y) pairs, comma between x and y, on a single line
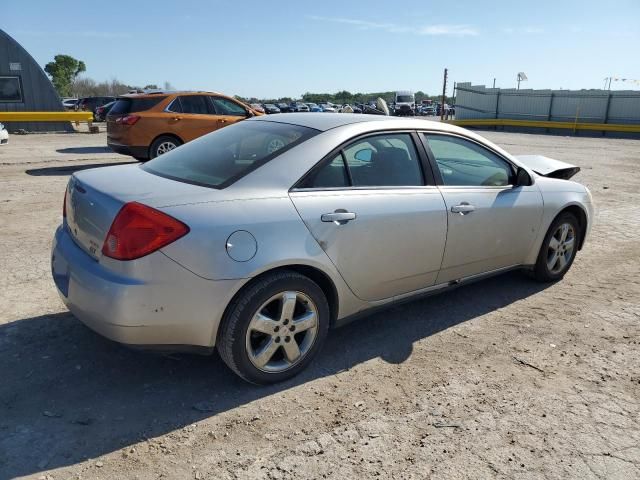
[(274, 328), (558, 249)]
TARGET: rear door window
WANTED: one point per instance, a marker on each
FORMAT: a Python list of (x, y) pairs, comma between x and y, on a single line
[(195, 104)]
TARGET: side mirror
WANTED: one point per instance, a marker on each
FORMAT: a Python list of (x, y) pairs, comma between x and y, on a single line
[(523, 179)]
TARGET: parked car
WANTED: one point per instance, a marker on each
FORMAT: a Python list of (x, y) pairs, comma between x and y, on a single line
[(257, 107), (259, 237), (100, 115), (150, 124), (4, 135), (270, 108), (313, 107), (299, 107), (325, 107), (90, 104), (284, 107), (69, 103)]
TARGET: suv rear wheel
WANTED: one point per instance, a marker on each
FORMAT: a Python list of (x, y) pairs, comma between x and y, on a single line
[(162, 145)]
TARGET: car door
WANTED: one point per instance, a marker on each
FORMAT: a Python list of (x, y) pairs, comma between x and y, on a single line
[(227, 111), (189, 117), (492, 224), (379, 218)]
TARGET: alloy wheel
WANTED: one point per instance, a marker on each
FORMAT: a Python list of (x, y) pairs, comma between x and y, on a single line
[(561, 245), (165, 147), (282, 331)]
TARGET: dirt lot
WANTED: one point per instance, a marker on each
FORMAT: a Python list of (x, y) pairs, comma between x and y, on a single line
[(502, 379)]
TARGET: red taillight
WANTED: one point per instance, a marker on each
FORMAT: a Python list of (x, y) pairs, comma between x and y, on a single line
[(128, 119), (139, 230), (64, 203)]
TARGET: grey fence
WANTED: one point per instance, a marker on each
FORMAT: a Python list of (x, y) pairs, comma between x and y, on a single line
[(590, 106)]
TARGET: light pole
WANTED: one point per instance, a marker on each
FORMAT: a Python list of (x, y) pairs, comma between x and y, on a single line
[(521, 78)]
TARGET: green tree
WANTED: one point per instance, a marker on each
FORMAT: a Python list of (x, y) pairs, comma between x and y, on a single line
[(151, 86), (63, 71)]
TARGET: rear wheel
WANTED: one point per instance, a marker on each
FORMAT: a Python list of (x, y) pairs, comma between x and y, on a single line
[(558, 249), (274, 328), (162, 145)]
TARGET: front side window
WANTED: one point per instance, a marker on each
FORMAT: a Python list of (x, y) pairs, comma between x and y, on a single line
[(226, 155), (223, 106), (196, 104), (464, 163), (388, 160)]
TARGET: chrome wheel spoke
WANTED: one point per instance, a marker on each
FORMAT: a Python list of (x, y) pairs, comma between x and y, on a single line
[(262, 356), (562, 261), (568, 244), (291, 350), (551, 262), (564, 230), (554, 243), (305, 322), (289, 300), (263, 324)]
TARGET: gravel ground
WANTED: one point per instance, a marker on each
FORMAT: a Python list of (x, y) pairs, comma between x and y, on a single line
[(505, 378)]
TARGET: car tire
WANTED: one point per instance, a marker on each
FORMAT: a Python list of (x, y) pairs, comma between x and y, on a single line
[(558, 249), (140, 159), (163, 144), (264, 358)]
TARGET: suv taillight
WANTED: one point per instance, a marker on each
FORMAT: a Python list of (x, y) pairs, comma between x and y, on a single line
[(139, 230), (128, 119)]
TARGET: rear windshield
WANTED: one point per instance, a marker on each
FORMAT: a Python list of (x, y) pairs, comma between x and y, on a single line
[(124, 106), (219, 159), (404, 98)]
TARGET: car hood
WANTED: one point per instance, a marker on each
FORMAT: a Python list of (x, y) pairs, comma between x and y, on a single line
[(548, 167)]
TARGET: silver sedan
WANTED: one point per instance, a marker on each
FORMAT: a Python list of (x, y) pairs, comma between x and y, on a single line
[(258, 238)]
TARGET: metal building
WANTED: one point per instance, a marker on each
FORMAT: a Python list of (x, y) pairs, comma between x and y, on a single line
[(24, 87)]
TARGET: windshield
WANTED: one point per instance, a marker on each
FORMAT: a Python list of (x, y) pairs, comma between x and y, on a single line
[(219, 159), (404, 98)]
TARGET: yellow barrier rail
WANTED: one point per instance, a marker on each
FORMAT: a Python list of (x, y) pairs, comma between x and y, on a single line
[(507, 122), (46, 117)]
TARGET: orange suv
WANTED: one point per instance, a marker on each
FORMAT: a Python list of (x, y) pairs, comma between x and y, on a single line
[(145, 125)]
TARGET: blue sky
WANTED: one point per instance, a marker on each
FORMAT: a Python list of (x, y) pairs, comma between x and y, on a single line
[(277, 48)]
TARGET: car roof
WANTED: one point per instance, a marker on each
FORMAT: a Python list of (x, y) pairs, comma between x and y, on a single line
[(326, 121)]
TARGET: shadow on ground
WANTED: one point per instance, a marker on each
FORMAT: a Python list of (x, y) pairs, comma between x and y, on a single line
[(84, 150), (69, 169), (67, 394)]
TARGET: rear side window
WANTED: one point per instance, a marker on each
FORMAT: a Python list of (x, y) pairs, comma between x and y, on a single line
[(123, 106), (219, 159)]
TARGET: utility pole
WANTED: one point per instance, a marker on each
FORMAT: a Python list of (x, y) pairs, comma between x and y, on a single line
[(494, 82), (444, 92)]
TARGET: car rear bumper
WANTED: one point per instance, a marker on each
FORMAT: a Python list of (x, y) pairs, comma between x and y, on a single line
[(161, 303), (138, 152)]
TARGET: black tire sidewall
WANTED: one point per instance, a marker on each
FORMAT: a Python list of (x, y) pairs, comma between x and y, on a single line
[(541, 270), (234, 327)]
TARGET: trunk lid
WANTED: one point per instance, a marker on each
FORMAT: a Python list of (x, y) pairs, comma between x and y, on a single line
[(95, 196), (548, 167)]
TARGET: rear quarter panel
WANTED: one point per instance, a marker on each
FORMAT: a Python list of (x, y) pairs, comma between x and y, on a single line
[(281, 237)]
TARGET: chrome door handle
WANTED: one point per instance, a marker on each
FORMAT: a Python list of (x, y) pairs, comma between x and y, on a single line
[(463, 208), (338, 217)]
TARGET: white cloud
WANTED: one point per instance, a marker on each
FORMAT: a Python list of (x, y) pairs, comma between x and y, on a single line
[(438, 29)]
